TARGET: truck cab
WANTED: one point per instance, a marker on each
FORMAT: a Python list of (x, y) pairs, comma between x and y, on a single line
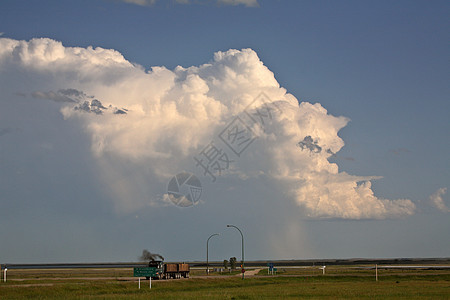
[(159, 266)]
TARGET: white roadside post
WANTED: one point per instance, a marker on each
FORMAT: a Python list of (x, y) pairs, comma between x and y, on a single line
[(376, 272), (4, 277), (139, 282), (150, 284)]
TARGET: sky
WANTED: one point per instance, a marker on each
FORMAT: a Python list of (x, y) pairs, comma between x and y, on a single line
[(318, 128)]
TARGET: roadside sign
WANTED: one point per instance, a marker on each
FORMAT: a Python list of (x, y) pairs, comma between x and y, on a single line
[(270, 268), (144, 272)]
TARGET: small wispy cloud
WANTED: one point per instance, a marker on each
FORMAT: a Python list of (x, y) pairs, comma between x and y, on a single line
[(247, 3), (4, 131), (399, 151), (140, 2), (57, 97), (8, 130), (62, 95), (309, 144), (437, 201), (85, 103)]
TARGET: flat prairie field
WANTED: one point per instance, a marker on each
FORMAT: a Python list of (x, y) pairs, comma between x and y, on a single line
[(117, 284)]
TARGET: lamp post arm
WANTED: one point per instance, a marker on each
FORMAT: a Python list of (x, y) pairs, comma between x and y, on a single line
[(207, 251), (242, 243)]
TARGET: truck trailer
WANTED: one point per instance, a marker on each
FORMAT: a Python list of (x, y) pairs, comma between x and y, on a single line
[(169, 270)]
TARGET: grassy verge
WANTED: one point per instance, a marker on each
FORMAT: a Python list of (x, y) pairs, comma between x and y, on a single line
[(426, 286), (351, 271)]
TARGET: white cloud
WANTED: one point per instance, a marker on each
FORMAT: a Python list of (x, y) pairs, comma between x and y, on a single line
[(140, 2), (248, 3), (169, 116), (437, 201)]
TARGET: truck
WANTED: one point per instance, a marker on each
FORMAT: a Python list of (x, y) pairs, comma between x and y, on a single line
[(169, 270)]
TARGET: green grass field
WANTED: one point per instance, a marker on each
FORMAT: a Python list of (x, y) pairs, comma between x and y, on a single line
[(116, 284)]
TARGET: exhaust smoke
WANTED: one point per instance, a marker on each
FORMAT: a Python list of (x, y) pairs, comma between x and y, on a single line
[(148, 256)]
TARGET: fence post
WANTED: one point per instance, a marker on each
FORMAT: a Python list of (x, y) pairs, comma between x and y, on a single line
[(376, 272)]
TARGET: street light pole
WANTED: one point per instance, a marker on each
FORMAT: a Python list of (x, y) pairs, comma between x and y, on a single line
[(242, 236), (207, 258)]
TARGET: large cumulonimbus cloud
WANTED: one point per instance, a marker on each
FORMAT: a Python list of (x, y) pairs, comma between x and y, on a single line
[(146, 126)]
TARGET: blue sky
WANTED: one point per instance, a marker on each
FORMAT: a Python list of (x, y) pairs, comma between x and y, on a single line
[(383, 65)]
